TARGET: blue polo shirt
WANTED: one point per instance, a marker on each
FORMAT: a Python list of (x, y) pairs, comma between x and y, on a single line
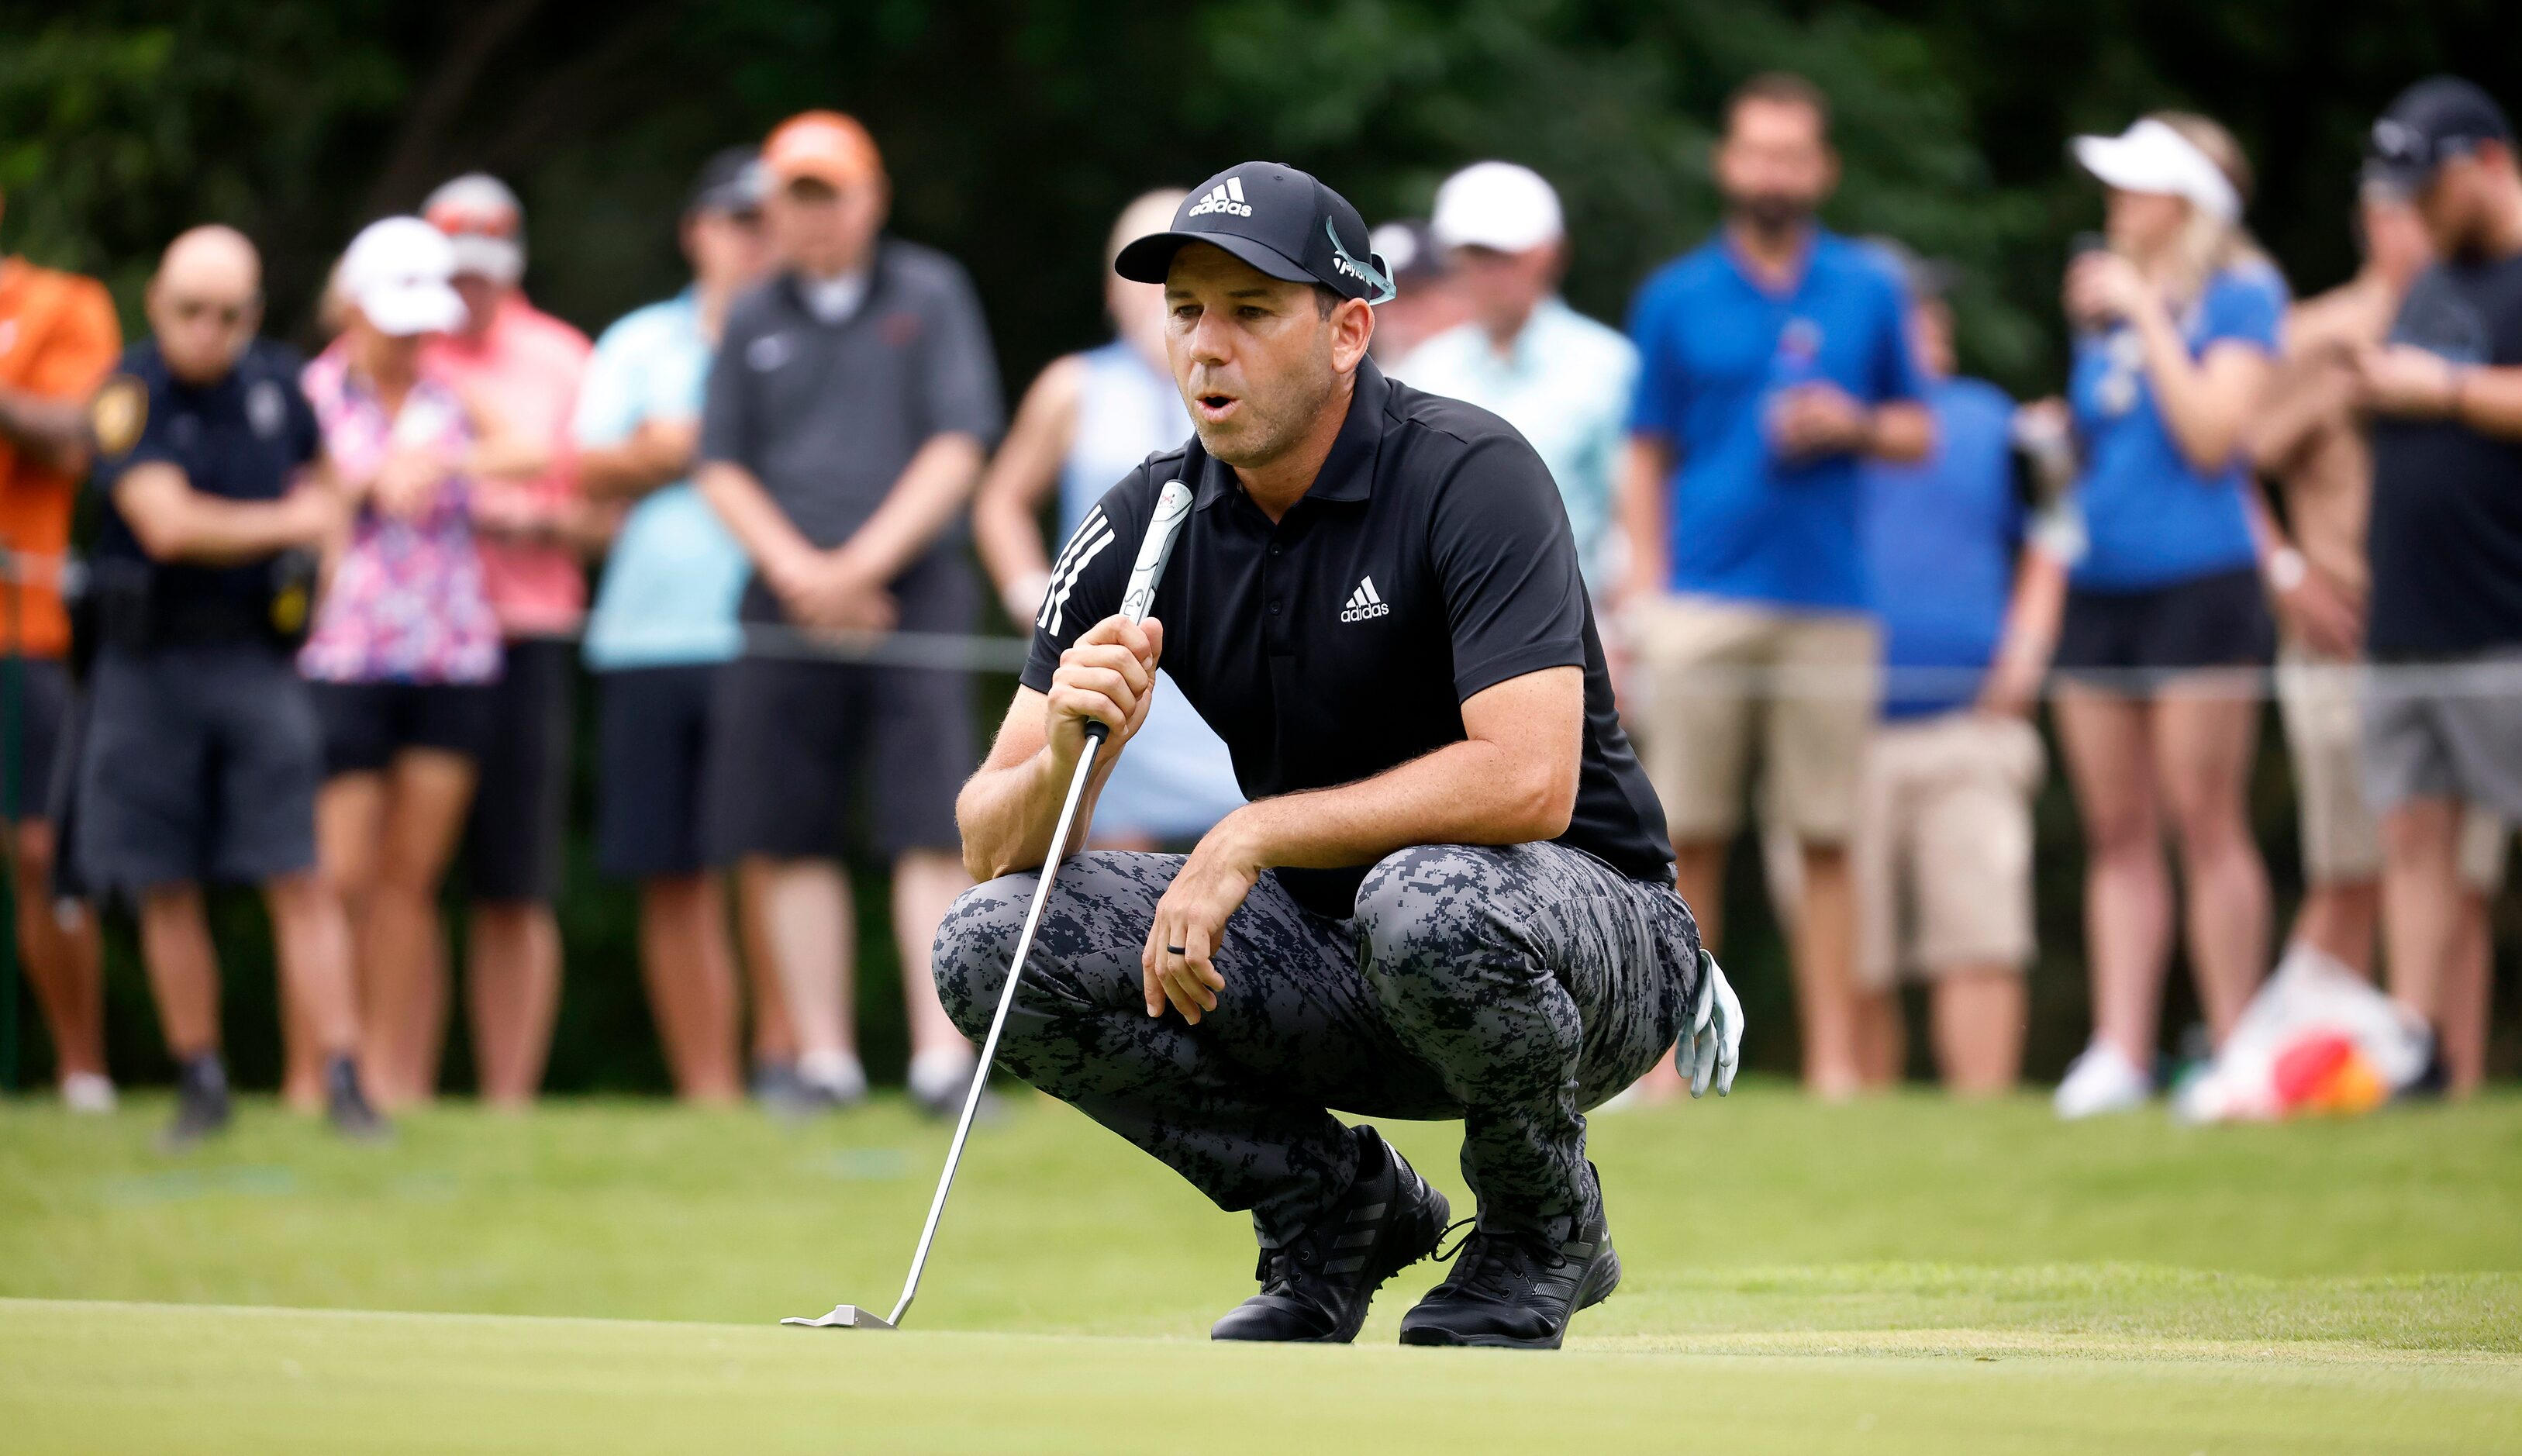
[(674, 574), (2154, 519), (1942, 537), (1714, 348)]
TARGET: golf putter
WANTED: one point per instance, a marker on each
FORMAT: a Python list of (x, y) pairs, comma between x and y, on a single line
[(1173, 507)]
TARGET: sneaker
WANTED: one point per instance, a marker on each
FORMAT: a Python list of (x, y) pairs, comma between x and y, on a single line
[(346, 1103), (939, 1083), (2102, 1081), (828, 1082), (200, 1104), (1317, 1286), (89, 1092), (1516, 1288)]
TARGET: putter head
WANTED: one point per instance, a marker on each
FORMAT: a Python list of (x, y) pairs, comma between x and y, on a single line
[(843, 1317)]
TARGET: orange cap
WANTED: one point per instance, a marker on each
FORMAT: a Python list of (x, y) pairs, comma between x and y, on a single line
[(826, 146)]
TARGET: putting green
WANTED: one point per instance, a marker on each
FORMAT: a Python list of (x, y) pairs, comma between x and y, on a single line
[(1902, 1275), (116, 1377)]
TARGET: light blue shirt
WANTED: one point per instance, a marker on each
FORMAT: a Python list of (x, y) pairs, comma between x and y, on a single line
[(1564, 385), (672, 582)]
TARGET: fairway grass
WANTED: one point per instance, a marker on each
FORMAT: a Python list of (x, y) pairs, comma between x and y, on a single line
[(1902, 1275)]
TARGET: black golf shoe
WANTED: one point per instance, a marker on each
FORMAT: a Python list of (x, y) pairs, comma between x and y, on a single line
[(200, 1104), (346, 1105), (1514, 1289), (1317, 1286)]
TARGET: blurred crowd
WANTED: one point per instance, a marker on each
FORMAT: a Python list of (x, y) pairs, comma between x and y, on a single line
[(326, 638)]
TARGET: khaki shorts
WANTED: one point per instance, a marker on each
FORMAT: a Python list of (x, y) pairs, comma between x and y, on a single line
[(1943, 855), (2320, 702), (1717, 674)]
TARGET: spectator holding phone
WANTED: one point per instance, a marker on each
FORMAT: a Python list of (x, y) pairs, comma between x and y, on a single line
[(2177, 325)]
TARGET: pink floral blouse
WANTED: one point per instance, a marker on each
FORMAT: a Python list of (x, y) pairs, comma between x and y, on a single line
[(405, 603)]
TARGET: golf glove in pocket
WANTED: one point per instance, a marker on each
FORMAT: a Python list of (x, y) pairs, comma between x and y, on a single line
[(1711, 1048)]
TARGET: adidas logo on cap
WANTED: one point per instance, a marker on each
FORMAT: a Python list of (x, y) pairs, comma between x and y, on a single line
[(1363, 603), (1226, 197)]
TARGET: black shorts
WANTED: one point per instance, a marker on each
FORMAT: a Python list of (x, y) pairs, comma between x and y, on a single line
[(512, 844), (36, 715), (798, 747), (652, 750), (200, 765), (2122, 637), (366, 723)]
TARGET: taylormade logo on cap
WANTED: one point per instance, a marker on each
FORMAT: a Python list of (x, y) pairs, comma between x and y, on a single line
[(1226, 197)]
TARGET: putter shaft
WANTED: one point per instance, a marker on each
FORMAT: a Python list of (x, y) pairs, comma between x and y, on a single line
[(1094, 734)]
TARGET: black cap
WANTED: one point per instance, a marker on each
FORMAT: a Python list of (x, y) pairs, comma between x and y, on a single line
[(2431, 122), (1277, 218), (731, 181)]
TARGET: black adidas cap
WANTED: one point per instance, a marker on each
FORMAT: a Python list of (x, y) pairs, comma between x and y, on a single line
[(2431, 122), (1277, 218)]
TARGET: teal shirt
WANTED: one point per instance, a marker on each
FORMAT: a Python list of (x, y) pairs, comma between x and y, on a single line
[(1564, 385), (672, 582)]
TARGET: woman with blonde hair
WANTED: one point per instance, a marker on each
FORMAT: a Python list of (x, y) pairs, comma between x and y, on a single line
[(2166, 624)]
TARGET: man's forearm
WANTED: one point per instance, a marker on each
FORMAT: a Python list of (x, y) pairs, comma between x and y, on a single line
[(768, 537), (625, 471), (1006, 815), (1645, 466), (55, 431), (1901, 433), (2490, 402), (175, 523), (1472, 793), (923, 501)]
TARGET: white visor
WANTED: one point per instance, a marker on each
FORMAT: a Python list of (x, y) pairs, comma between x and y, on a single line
[(2152, 157), (396, 271)]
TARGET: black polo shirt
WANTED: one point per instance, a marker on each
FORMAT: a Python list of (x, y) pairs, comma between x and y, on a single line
[(1431, 560), (243, 438)]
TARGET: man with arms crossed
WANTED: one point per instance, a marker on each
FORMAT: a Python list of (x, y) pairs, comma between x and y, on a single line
[(2446, 534), (1449, 896), (202, 753)]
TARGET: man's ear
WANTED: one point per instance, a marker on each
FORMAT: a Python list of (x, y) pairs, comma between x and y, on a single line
[(1352, 325)]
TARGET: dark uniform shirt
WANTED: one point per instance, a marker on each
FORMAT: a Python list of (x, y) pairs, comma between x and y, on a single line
[(2446, 529), (1431, 560), (827, 415), (244, 437)]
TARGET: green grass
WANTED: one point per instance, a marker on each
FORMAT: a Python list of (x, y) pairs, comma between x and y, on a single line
[(1902, 1275)]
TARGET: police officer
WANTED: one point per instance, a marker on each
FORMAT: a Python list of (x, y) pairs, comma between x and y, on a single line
[(1451, 895), (203, 755)]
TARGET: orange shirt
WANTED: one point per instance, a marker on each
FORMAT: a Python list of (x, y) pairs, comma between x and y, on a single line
[(57, 339)]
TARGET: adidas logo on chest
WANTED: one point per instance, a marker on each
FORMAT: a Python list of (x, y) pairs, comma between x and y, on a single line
[(1364, 604), (1226, 197)]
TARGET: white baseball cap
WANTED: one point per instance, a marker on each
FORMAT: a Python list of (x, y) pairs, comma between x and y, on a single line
[(397, 272), (486, 223), (2151, 157), (1497, 205)]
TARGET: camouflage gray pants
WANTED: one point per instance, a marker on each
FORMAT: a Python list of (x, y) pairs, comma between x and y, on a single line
[(1511, 987)]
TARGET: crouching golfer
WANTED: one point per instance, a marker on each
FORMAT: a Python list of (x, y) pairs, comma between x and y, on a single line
[(1450, 896)]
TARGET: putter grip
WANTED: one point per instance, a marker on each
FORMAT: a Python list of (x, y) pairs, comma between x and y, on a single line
[(1173, 507)]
